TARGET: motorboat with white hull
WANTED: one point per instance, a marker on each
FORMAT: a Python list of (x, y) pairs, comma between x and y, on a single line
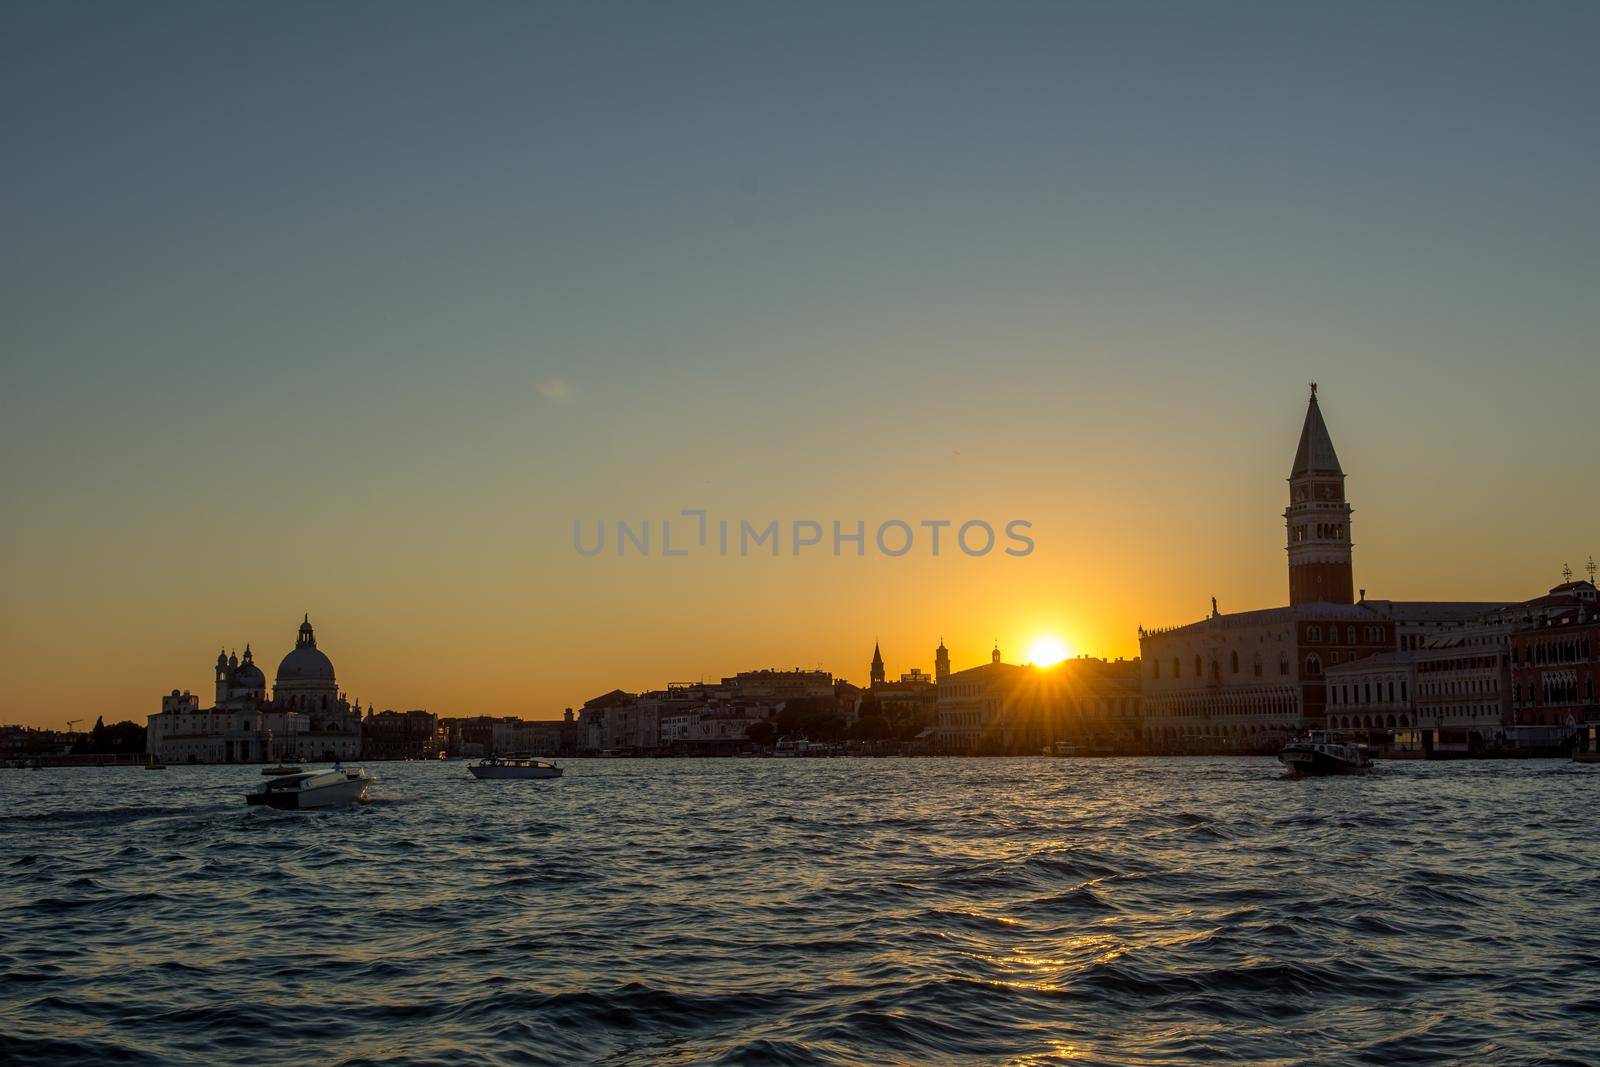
[(1316, 755), (514, 767), (327, 788)]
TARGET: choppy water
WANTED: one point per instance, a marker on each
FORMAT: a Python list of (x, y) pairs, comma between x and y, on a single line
[(798, 911)]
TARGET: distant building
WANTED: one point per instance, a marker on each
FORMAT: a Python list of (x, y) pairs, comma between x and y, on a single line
[(592, 719), (982, 709), (1000, 708), (1373, 693), (402, 735), (775, 686), (17, 742), (1555, 659), (306, 718), (1463, 683), (553, 737)]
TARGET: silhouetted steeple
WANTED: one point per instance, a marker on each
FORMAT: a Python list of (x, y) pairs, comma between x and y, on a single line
[(1315, 454), (877, 664), (1317, 520)]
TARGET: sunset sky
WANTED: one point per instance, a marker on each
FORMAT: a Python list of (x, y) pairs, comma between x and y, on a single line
[(354, 309)]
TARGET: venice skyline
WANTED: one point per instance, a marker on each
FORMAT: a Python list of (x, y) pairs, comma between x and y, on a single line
[(292, 331)]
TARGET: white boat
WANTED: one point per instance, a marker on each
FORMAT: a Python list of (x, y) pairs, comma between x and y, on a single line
[(325, 788), (514, 767), (1316, 755)]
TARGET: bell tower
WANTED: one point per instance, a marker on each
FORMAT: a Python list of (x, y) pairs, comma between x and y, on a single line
[(1318, 518)]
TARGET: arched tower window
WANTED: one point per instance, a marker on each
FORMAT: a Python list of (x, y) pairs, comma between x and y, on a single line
[(1313, 665)]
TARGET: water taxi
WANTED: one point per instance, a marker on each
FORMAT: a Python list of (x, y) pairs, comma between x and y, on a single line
[(1315, 754), (514, 767), (327, 788)]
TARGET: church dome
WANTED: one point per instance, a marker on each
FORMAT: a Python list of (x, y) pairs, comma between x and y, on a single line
[(306, 663), (247, 675)]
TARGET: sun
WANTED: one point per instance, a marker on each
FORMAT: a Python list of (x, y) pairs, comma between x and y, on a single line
[(1047, 650)]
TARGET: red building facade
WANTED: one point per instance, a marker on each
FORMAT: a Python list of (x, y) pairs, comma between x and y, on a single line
[(1555, 664)]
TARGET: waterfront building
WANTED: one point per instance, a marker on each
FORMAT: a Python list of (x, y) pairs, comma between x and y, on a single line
[(1463, 684), (847, 700), (307, 717), (1248, 681), (914, 694), (719, 731), (1555, 659), (484, 735), (1373, 693), (592, 718), (999, 707), (912, 700), (402, 735), (976, 710), (17, 741), (1100, 706), (772, 686), (553, 737)]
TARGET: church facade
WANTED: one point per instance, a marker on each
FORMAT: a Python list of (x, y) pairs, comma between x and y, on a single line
[(306, 717), (1248, 681)]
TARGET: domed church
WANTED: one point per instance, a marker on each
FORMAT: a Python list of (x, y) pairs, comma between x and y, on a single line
[(305, 677), (307, 717)]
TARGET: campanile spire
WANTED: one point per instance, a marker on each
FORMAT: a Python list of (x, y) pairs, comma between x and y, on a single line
[(1318, 518)]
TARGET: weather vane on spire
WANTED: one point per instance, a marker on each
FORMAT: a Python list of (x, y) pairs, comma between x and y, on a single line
[(1313, 390)]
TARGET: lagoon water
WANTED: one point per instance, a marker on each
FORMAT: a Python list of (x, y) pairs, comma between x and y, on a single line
[(800, 911)]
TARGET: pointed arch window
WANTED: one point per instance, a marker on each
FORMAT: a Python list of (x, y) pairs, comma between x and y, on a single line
[(1313, 665)]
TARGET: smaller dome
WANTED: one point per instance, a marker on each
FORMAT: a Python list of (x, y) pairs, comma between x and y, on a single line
[(249, 676)]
